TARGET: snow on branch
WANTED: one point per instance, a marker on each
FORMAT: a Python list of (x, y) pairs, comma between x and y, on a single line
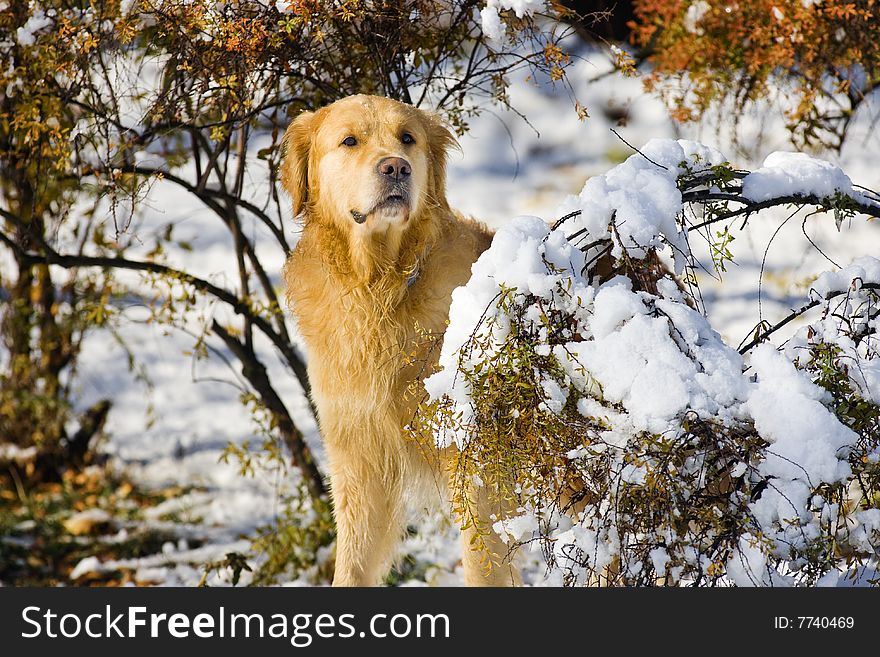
[(581, 385)]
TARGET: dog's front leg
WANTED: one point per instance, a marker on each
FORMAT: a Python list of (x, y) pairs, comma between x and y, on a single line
[(485, 557), (369, 523)]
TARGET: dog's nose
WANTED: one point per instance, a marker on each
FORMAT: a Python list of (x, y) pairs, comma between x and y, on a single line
[(395, 168)]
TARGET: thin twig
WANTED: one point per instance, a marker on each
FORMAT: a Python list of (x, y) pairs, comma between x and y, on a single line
[(797, 313), (617, 134)]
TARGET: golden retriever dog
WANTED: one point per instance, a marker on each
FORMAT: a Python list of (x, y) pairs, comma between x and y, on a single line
[(370, 285)]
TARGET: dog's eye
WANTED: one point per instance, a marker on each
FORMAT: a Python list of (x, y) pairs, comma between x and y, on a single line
[(407, 138), (349, 141)]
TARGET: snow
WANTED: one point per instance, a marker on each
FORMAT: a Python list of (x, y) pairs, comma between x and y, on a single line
[(179, 568), (85, 566), (493, 27), (94, 516), (866, 379), (490, 16), (516, 260), (16, 454), (26, 35), (694, 15), (796, 174), (641, 198), (640, 356), (860, 271), (866, 531), (748, 567), (849, 322), (808, 444), (555, 396), (516, 528), (660, 559)]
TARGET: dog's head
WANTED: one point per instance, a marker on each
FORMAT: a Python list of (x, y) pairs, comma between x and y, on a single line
[(366, 163)]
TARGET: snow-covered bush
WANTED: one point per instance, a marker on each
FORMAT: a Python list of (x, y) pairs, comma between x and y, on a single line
[(580, 384)]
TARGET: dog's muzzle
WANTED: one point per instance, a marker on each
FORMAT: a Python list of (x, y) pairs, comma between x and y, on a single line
[(396, 192)]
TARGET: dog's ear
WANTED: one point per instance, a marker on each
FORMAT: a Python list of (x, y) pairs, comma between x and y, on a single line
[(441, 141), (296, 145)]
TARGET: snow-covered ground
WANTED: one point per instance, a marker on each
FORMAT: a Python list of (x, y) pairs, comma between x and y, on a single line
[(175, 431)]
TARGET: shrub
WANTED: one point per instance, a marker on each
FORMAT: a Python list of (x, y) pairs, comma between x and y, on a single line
[(582, 387), (822, 56)]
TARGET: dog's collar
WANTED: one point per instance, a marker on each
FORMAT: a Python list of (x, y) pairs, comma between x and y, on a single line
[(416, 271), (414, 275)]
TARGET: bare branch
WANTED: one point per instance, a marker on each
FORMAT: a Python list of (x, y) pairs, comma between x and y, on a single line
[(255, 372), (241, 307), (758, 339)]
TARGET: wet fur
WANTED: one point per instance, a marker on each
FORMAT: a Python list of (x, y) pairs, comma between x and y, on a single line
[(370, 336)]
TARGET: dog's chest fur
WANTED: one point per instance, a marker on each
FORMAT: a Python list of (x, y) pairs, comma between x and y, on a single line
[(370, 345)]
